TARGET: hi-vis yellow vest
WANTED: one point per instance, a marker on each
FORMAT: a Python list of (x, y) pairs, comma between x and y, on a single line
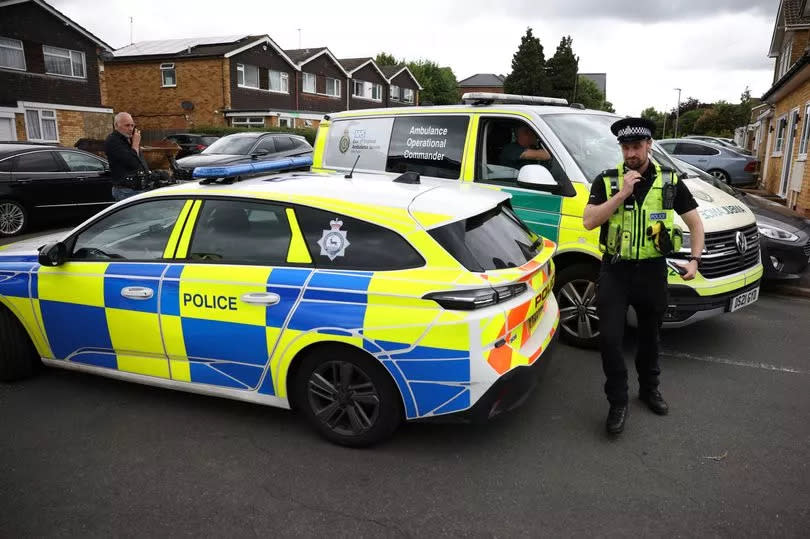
[(632, 242)]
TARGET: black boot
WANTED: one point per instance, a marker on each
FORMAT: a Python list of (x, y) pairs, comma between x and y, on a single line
[(615, 418), (653, 399)]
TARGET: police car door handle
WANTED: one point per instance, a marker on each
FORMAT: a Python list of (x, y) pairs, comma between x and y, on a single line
[(137, 292), (261, 298)]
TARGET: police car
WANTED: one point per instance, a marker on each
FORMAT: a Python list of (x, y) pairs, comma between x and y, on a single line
[(359, 302)]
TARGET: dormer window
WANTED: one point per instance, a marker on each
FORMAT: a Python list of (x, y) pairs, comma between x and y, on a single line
[(784, 57)]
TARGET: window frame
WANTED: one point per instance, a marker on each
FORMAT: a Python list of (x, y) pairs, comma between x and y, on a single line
[(309, 76), (805, 137), (69, 56), (779, 139), (62, 153), (284, 81), (409, 95), (784, 57), (337, 85), (21, 49), (247, 121), (164, 68), (243, 69), (394, 92), (40, 125)]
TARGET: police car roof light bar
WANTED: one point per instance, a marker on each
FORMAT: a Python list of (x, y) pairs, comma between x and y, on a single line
[(488, 98), (210, 175)]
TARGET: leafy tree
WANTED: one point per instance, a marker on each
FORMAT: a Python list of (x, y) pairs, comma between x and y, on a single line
[(562, 70), (658, 117), (686, 123), (607, 106), (589, 94), (528, 76), (386, 59), (439, 83)]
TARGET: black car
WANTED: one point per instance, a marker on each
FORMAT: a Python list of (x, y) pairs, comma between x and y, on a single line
[(247, 147), (190, 143), (47, 182), (784, 234)]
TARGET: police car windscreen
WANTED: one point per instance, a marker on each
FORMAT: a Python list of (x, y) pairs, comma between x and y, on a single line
[(496, 239)]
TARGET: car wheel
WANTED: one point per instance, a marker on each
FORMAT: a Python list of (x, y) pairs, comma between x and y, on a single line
[(576, 289), (13, 218), (348, 397), (720, 175), (18, 359)]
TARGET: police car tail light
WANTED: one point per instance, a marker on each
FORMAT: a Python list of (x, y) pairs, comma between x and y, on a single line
[(468, 300)]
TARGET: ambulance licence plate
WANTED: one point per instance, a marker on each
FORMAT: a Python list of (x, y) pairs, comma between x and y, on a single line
[(743, 300)]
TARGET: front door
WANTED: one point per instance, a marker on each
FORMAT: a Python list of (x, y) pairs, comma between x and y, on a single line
[(101, 307), (787, 153), (228, 296)]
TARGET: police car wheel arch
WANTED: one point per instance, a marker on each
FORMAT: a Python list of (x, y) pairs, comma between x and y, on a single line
[(19, 359), (576, 290)]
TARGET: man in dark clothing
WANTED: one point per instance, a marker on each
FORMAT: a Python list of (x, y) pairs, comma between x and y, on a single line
[(635, 206), (122, 149), (523, 152)]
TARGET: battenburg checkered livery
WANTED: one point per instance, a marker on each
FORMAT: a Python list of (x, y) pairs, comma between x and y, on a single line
[(358, 301)]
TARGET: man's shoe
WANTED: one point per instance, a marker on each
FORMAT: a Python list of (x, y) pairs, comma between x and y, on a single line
[(654, 401), (615, 418)]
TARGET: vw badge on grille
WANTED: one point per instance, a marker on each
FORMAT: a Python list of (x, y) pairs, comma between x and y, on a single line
[(742, 242)]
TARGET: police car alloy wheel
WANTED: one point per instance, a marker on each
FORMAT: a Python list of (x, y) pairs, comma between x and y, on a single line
[(576, 291), (13, 218), (348, 398)]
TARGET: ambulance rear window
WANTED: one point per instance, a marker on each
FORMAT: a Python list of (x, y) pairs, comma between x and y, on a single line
[(496, 239)]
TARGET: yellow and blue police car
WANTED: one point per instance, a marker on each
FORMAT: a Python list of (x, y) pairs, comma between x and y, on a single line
[(359, 302)]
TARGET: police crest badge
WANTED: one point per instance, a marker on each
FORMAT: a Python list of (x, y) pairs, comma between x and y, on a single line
[(333, 242)]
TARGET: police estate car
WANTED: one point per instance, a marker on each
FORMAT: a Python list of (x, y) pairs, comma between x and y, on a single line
[(360, 302)]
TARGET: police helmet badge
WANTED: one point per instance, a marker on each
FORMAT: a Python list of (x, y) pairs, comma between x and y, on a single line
[(333, 242)]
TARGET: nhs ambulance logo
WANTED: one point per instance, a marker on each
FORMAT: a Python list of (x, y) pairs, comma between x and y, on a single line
[(333, 242)]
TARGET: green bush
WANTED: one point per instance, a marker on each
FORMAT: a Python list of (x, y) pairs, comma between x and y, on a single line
[(306, 132)]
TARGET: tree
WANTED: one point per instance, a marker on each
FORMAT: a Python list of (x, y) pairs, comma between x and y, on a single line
[(562, 70), (589, 95), (386, 59), (528, 76), (439, 83), (658, 117)]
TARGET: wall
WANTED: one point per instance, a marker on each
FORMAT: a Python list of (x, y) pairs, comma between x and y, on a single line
[(403, 80), (368, 74), (322, 67)]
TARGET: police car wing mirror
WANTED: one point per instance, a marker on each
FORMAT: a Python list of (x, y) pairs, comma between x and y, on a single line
[(538, 177), (52, 254)]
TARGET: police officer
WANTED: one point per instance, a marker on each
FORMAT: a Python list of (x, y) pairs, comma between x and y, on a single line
[(634, 205), (122, 147)]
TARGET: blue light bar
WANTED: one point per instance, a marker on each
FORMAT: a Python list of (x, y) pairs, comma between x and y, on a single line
[(231, 171)]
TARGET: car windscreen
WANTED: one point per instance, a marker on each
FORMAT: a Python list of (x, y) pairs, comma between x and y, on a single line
[(493, 240), (231, 145)]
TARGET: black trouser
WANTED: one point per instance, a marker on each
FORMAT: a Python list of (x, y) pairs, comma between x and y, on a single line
[(642, 284)]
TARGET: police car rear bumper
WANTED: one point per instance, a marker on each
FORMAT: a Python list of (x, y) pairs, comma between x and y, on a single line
[(511, 390), (687, 307)]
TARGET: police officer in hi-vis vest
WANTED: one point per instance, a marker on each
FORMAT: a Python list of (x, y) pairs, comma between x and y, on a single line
[(635, 205)]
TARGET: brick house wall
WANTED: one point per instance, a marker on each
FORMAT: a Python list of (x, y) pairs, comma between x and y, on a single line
[(135, 87), (403, 80), (322, 67), (368, 74)]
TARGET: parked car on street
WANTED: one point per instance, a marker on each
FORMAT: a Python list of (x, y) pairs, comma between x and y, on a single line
[(784, 234), (239, 148), (40, 181), (723, 163), (724, 142), (191, 143)]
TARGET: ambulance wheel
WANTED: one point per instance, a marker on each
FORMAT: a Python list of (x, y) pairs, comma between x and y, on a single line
[(13, 218), (18, 357), (720, 175), (348, 397), (576, 288)]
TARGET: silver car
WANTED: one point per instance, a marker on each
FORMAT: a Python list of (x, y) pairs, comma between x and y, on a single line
[(724, 142), (723, 163)]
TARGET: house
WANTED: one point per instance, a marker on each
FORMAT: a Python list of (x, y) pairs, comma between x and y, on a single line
[(783, 126), (323, 84), (368, 83), (403, 88), (51, 87), (178, 84), (481, 82)]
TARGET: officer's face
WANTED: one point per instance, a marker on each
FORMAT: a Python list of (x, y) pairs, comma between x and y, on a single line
[(635, 153)]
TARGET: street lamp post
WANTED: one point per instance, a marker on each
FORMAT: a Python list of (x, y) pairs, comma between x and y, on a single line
[(677, 112)]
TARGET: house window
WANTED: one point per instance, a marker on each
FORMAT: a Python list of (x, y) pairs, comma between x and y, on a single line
[(332, 87), (784, 58), (358, 88), (64, 62), (40, 124), (168, 77), (367, 90), (805, 132), (279, 82), (376, 92), (286, 121), (407, 95), (248, 121), (11, 54), (394, 92), (309, 83), (247, 76), (780, 135)]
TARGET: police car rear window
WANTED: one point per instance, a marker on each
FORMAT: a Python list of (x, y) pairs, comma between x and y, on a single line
[(340, 242), (496, 239)]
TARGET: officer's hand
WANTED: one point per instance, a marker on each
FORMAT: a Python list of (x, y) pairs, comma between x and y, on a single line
[(630, 180), (691, 268)]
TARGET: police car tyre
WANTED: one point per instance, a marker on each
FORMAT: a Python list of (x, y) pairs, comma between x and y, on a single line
[(348, 397), (18, 358), (576, 288), (13, 218), (720, 175)]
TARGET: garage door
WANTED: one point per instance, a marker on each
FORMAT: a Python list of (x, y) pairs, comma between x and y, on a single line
[(7, 131)]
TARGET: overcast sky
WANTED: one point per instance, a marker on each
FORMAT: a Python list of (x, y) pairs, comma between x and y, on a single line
[(712, 49)]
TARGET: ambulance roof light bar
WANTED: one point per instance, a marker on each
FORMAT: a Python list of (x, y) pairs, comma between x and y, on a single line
[(488, 98), (210, 175)]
